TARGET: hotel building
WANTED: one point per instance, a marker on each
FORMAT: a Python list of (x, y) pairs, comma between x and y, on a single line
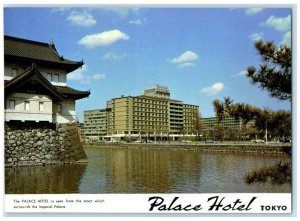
[(152, 114)]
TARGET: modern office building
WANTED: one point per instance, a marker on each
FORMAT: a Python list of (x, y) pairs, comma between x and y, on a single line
[(152, 114)]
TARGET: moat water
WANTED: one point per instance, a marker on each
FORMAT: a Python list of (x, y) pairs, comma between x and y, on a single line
[(116, 170)]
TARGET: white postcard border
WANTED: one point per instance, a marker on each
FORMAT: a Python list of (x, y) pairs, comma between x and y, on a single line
[(232, 203)]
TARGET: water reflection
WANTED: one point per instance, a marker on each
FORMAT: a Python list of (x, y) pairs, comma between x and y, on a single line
[(43, 179), (114, 170), (170, 171)]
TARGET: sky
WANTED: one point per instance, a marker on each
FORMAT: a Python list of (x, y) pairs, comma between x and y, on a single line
[(200, 54)]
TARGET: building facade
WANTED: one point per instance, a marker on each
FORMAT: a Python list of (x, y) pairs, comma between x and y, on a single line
[(227, 122), (208, 123), (35, 83), (152, 114)]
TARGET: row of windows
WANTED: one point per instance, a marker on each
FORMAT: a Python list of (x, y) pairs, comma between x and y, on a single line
[(150, 115), (150, 123), (146, 109), (150, 109), (50, 77), (161, 113), (143, 101), (148, 127), (94, 115), (151, 119), (95, 122), (176, 110), (12, 106)]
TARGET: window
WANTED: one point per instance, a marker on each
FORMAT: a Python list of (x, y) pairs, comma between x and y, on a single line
[(14, 72), (59, 108), (11, 104), (41, 106), (55, 78), (49, 77), (26, 106)]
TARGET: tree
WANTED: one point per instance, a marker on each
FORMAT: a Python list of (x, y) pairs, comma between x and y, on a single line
[(283, 120), (219, 110), (245, 112), (219, 132), (197, 124), (275, 74), (222, 108), (278, 123)]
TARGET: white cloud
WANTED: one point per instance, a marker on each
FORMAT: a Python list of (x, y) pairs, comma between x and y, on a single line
[(114, 56), (103, 38), (97, 77), (281, 24), (256, 36), (186, 64), (286, 39), (135, 22), (213, 89), (252, 11), (81, 76), (186, 56), (84, 19)]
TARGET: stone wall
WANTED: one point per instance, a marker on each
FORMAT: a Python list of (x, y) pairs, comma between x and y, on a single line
[(42, 146)]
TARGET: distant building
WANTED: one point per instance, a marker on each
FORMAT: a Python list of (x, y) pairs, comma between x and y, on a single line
[(97, 123), (153, 114), (209, 123), (35, 83)]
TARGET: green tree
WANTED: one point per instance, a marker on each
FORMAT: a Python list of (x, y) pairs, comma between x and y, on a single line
[(275, 74), (219, 132), (283, 120), (243, 111), (278, 123), (197, 124), (222, 108), (219, 110)]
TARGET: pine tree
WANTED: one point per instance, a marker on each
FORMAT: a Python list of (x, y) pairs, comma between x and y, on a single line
[(275, 74)]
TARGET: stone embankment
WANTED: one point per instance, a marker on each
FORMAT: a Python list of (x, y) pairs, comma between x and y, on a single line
[(25, 147), (226, 148)]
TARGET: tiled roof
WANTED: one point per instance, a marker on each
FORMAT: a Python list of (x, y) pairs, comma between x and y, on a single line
[(58, 92), (69, 92), (36, 51)]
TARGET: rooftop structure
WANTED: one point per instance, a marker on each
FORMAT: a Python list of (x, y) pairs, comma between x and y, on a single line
[(157, 91)]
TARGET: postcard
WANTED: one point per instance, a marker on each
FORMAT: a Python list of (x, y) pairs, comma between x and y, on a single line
[(148, 110)]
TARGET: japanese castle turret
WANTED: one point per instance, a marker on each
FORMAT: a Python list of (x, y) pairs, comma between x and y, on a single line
[(35, 80)]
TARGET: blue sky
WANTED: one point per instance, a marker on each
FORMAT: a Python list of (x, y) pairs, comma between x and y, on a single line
[(200, 54)]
